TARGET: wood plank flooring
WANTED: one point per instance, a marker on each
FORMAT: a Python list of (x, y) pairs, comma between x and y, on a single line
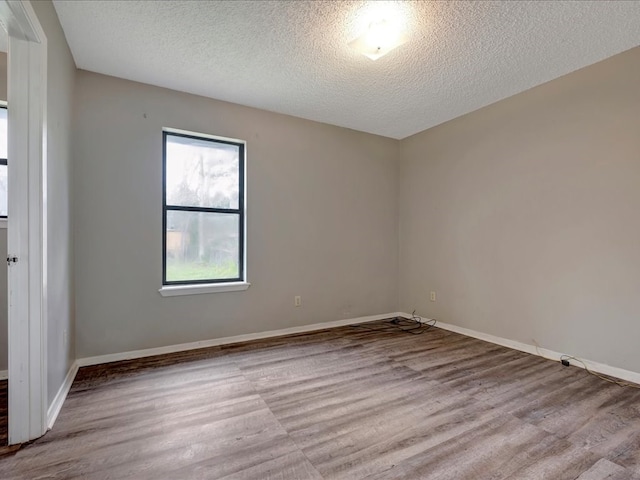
[(345, 403), (4, 400)]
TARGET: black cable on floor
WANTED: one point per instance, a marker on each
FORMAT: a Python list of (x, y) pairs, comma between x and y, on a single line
[(414, 325)]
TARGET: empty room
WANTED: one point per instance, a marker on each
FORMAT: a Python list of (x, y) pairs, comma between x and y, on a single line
[(298, 239)]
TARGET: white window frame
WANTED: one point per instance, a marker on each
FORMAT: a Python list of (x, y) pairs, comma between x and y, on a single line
[(173, 290)]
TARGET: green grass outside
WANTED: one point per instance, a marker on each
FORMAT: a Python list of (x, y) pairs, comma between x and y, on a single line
[(177, 271)]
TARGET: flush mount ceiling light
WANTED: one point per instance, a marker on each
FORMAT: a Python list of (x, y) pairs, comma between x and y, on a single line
[(380, 38)]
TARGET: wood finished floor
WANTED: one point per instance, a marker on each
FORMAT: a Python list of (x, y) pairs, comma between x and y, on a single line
[(4, 397), (344, 403)]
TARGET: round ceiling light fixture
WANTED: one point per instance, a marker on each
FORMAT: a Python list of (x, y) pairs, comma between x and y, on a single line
[(380, 38)]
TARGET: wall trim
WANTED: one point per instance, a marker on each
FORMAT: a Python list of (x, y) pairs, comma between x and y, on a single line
[(58, 401), (598, 367), (61, 396), (4, 374), (115, 357)]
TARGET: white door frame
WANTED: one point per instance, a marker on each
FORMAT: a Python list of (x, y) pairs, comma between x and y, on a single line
[(27, 220)]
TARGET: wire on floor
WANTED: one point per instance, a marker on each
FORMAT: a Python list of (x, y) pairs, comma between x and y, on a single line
[(615, 381), (415, 325)]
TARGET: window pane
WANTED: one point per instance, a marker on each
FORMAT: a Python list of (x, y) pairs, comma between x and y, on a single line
[(3, 133), (202, 173), (3, 190), (202, 246)]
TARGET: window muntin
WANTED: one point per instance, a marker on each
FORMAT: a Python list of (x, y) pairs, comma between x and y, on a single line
[(203, 231)]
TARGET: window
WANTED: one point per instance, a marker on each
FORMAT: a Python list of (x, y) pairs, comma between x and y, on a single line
[(204, 210), (3, 161)]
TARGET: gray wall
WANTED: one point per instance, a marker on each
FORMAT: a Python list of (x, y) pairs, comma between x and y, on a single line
[(4, 305), (322, 220), (524, 216), (60, 309)]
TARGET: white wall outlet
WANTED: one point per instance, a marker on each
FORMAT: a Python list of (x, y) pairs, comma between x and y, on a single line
[(432, 297), (297, 301)]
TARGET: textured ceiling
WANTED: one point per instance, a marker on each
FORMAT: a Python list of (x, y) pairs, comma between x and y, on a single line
[(292, 56)]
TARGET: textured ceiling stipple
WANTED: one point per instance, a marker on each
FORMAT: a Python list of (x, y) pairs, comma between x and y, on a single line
[(293, 56)]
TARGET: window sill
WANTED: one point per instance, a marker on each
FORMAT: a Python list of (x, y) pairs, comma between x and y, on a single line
[(176, 290)]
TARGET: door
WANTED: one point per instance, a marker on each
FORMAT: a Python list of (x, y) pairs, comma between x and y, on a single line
[(26, 237)]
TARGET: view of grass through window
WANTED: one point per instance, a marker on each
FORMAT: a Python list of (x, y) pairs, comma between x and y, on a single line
[(202, 185)]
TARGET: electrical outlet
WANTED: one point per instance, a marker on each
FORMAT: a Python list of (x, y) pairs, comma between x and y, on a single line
[(432, 297), (297, 301), (65, 338)]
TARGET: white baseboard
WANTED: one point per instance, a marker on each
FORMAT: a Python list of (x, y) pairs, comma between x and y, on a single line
[(602, 368), (58, 401), (4, 374), (61, 396), (149, 352)]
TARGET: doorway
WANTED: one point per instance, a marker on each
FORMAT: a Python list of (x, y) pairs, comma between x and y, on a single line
[(26, 232), (4, 274)]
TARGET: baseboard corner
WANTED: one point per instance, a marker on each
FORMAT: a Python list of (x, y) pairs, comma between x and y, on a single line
[(61, 396)]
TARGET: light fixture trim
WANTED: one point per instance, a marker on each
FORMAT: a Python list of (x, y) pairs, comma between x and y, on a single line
[(380, 38)]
